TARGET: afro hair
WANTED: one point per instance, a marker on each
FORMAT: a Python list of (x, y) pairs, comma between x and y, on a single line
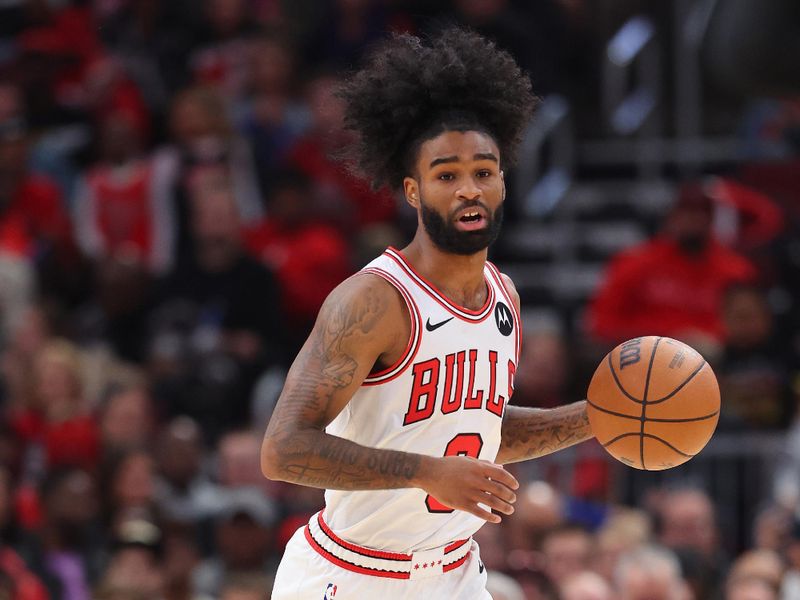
[(410, 91)]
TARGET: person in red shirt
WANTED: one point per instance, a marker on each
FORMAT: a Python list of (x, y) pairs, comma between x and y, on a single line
[(33, 221), (672, 285), (59, 420), (309, 256), (118, 213), (347, 199)]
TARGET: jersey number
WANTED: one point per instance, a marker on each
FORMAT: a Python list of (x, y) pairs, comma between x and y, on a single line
[(464, 444)]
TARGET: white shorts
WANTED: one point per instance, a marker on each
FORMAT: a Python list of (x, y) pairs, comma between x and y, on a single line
[(319, 566)]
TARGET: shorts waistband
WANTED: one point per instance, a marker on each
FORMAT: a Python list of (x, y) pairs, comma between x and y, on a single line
[(378, 563)]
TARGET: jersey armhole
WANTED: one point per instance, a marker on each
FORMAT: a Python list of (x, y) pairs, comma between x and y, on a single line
[(498, 278), (393, 371)]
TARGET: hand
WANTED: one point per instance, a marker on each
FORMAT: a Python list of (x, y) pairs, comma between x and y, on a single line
[(463, 483)]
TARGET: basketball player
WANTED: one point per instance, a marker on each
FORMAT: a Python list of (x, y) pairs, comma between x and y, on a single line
[(397, 402)]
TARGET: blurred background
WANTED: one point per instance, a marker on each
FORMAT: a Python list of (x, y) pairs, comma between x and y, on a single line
[(171, 220)]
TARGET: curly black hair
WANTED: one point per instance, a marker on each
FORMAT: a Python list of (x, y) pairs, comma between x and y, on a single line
[(410, 91)]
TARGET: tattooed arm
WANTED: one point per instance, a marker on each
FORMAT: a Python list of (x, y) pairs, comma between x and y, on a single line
[(363, 322), (531, 432)]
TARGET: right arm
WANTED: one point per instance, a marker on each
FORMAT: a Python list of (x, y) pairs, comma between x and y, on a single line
[(362, 322)]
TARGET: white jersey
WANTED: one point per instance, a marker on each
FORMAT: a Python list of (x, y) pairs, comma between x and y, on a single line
[(445, 396)]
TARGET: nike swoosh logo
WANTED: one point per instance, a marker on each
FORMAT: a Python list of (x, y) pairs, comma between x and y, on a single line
[(480, 567), (431, 327)]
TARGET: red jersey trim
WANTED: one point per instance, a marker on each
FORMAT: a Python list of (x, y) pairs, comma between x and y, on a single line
[(473, 316), (363, 551), (404, 561), (414, 340), (507, 295), (351, 566), (456, 564)]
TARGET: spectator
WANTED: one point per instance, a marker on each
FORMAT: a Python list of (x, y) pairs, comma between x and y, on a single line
[(69, 547), (566, 551), (687, 524), (135, 565), (152, 43), (344, 198), (219, 322), (649, 573), (308, 256), (272, 118), (238, 463), (220, 58), (127, 419), (672, 285), (752, 588), (129, 485), (118, 213), (753, 371), (624, 530), (203, 141), (184, 492), (585, 585), (539, 508), (59, 421), (542, 376), (181, 556), (113, 318), (764, 565), (34, 224), (28, 336), (244, 536)]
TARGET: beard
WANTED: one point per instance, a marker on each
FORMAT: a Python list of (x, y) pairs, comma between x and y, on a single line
[(448, 238)]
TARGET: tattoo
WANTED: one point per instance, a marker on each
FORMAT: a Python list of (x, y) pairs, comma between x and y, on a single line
[(530, 432), (319, 384)]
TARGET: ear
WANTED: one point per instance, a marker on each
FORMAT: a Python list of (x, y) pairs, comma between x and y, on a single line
[(503, 182), (411, 190)]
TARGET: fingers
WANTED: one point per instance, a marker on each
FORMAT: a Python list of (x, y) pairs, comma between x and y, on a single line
[(504, 496), (499, 474), (484, 514)]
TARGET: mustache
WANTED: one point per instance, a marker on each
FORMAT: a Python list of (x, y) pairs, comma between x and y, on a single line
[(471, 204)]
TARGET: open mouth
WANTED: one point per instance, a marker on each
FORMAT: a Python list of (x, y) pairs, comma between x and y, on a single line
[(471, 219)]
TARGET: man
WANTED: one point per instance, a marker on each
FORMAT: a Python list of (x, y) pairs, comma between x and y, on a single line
[(672, 284), (649, 573), (396, 403)]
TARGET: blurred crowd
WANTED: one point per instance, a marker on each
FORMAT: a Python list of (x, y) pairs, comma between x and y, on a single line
[(172, 215)]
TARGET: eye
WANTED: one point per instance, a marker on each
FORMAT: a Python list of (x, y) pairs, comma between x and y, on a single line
[(445, 177), (484, 173)]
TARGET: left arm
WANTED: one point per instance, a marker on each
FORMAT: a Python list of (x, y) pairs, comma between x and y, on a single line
[(533, 432)]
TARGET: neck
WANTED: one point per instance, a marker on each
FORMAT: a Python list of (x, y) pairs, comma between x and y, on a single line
[(458, 276)]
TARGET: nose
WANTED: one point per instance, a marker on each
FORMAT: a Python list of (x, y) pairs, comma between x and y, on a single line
[(469, 189)]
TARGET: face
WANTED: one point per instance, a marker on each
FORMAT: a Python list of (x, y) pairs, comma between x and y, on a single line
[(566, 554), (127, 420), (458, 190), (688, 522), (747, 318)]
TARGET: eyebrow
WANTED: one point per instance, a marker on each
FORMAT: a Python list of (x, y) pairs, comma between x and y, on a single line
[(452, 159)]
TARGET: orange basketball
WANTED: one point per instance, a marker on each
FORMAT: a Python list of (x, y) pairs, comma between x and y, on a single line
[(653, 403)]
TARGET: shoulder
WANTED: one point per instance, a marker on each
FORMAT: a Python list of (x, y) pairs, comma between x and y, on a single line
[(511, 288), (364, 288), (362, 295), (367, 309)]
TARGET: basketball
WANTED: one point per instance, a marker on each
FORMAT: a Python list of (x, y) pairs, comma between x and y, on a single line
[(653, 403)]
